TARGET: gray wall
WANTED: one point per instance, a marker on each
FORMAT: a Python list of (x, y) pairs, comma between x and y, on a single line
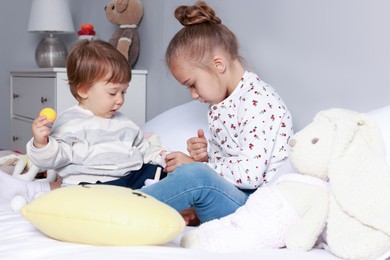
[(318, 54)]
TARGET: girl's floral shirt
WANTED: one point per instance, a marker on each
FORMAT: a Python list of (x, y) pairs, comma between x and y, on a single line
[(249, 133)]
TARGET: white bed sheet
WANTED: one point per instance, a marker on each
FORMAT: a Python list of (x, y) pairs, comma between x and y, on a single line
[(21, 240)]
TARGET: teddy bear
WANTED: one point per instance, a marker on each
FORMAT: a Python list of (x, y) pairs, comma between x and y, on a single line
[(290, 212), (358, 225), (127, 14)]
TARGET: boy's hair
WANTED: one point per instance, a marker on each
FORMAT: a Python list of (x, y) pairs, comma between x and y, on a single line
[(92, 61), (202, 35)]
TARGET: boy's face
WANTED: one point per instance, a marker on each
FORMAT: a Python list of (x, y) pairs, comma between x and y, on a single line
[(104, 99)]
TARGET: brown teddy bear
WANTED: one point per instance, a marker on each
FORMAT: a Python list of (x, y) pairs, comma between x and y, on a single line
[(127, 14)]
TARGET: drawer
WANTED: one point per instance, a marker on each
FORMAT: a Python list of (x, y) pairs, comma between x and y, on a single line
[(31, 94), (21, 133)]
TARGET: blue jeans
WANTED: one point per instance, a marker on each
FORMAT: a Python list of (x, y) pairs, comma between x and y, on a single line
[(197, 185)]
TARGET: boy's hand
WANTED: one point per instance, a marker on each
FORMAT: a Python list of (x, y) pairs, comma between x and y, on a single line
[(41, 131), (197, 147), (175, 159)]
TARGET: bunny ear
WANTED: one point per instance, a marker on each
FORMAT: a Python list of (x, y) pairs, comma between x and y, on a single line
[(358, 173), (370, 132)]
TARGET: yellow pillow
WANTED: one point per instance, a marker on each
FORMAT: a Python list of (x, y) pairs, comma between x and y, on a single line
[(104, 215)]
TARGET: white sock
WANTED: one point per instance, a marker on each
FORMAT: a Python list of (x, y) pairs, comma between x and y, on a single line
[(11, 187)]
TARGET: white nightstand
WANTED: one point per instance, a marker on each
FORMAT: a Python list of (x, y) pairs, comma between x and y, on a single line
[(34, 89)]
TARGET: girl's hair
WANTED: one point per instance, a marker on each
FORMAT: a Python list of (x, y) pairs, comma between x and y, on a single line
[(93, 61), (203, 35)]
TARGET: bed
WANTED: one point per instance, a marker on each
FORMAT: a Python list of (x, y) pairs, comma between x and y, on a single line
[(21, 240)]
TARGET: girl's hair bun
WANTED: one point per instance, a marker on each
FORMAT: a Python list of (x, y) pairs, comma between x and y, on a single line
[(196, 14)]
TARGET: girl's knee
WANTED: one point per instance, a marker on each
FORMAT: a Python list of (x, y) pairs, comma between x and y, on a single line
[(196, 170)]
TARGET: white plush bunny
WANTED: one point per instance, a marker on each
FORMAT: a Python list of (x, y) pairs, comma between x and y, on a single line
[(291, 212), (342, 145)]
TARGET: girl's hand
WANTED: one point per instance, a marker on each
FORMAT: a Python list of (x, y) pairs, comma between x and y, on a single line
[(197, 147), (41, 131), (175, 159)]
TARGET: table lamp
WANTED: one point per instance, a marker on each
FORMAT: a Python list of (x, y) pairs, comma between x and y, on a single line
[(50, 17)]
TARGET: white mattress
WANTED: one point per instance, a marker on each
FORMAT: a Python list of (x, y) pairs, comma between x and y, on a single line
[(21, 240)]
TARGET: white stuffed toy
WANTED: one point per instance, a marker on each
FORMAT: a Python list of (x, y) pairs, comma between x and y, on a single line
[(358, 226), (343, 145), (26, 170), (21, 167), (290, 213)]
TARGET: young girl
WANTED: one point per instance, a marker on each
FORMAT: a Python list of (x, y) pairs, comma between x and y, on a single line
[(248, 122), (91, 141)]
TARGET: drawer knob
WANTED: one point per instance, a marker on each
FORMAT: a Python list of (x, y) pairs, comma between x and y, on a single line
[(43, 100), (15, 138), (15, 96)]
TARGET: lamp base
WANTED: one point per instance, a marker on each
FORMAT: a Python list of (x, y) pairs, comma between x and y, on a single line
[(51, 52)]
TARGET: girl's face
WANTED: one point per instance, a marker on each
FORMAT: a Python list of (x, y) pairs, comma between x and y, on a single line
[(204, 84), (104, 99)]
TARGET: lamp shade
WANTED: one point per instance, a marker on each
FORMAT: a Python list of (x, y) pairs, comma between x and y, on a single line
[(50, 16)]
